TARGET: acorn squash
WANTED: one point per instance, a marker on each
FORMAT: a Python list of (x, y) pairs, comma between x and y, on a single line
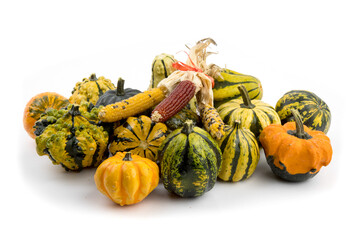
[(189, 160)]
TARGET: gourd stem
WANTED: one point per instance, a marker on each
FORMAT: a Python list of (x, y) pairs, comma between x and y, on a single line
[(74, 110), (300, 132), (93, 77), (127, 157), (236, 123), (245, 97), (120, 87), (188, 127)]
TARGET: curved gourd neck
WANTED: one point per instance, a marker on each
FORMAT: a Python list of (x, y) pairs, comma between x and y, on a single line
[(188, 127), (120, 87), (245, 97), (127, 157), (93, 77), (299, 131)]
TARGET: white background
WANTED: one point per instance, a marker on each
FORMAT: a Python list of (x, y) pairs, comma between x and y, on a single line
[(288, 45)]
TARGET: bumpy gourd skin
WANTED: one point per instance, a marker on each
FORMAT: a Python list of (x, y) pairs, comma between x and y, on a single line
[(73, 140), (90, 89)]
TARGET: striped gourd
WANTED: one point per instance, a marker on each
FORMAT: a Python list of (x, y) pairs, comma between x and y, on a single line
[(225, 88), (189, 160), (161, 68), (140, 136), (253, 114), (314, 112), (90, 89), (240, 153), (71, 137)]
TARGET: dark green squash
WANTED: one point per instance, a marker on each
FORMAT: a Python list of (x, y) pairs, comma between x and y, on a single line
[(116, 95), (314, 112), (178, 120), (189, 160), (72, 137)]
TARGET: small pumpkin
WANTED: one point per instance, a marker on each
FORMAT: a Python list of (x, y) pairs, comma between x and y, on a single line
[(293, 151), (71, 137), (116, 95), (314, 111), (126, 178), (252, 114), (90, 89), (240, 153), (189, 160), (140, 136), (38, 105)]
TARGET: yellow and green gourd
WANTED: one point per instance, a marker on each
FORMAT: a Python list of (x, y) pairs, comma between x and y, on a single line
[(252, 114), (90, 89), (226, 86), (140, 136), (240, 153), (189, 160), (72, 137), (162, 67), (314, 112)]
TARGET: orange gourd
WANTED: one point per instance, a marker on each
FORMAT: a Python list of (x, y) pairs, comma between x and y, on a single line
[(38, 105), (127, 179), (295, 152)]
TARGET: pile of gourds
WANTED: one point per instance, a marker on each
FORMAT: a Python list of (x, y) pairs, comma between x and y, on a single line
[(196, 123)]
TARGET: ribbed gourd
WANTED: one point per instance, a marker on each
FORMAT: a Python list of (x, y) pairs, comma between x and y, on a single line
[(314, 111), (71, 137), (38, 105), (253, 114), (90, 89), (126, 178), (179, 119), (226, 86), (140, 136), (189, 160), (162, 67), (240, 153)]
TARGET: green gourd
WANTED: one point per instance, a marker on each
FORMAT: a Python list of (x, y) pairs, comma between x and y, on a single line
[(189, 160), (314, 112)]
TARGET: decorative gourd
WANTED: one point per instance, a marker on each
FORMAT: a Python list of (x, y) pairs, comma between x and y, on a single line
[(90, 89), (315, 112), (189, 160), (126, 178), (71, 137), (253, 114), (226, 86), (140, 136), (240, 153), (293, 151), (178, 120), (162, 67), (38, 105), (116, 95)]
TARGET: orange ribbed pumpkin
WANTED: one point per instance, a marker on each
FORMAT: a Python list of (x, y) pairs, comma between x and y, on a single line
[(127, 179)]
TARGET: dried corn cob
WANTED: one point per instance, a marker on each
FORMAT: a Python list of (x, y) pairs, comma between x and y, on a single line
[(133, 105), (213, 122), (173, 103)]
